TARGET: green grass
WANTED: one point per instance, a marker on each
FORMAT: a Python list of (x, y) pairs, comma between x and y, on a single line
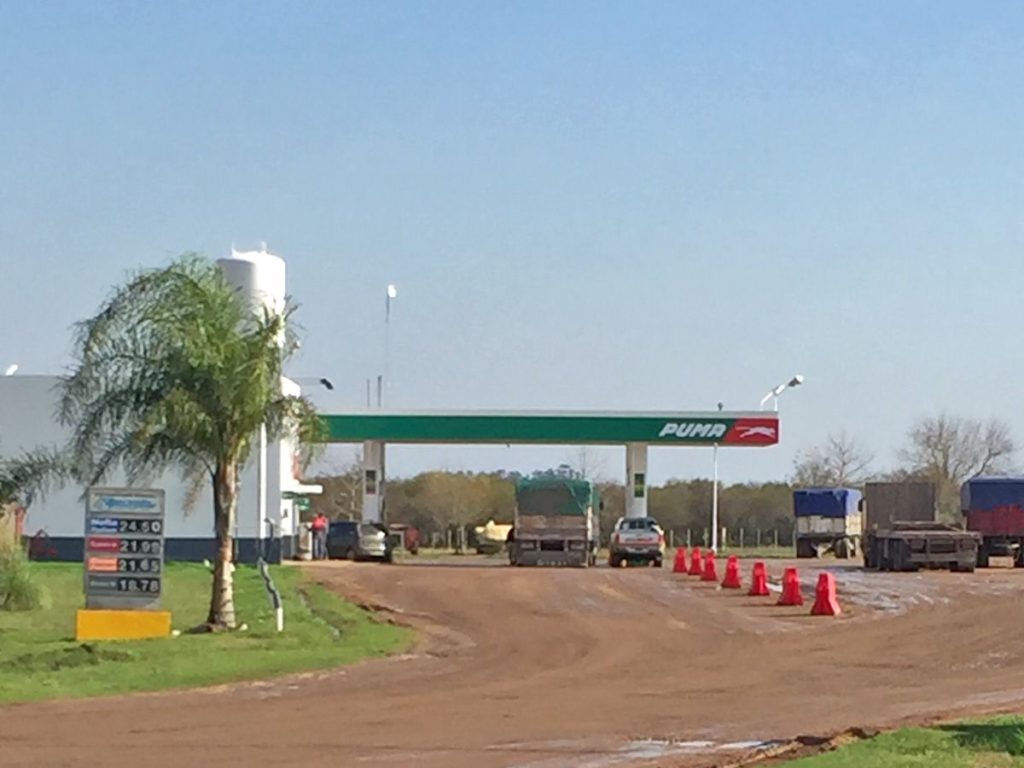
[(972, 744), (767, 552), (39, 658)]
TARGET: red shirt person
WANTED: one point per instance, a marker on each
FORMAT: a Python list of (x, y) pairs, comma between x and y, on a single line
[(319, 526)]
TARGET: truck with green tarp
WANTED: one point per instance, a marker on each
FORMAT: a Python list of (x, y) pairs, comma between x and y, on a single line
[(556, 522)]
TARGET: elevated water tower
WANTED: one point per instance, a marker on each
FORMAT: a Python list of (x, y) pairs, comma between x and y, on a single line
[(260, 278)]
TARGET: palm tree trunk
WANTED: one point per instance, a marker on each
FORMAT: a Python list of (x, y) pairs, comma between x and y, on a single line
[(222, 602)]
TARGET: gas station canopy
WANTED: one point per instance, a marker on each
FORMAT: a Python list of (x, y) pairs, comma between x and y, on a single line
[(725, 428)]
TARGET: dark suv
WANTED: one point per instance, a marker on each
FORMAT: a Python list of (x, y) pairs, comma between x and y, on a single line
[(352, 540)]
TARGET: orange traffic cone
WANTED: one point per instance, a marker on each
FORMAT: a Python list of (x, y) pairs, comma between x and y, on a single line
[(710, 571), (732, 573), (679, 564), (696, 563), (759, 581), (825, 601), (791, 594)]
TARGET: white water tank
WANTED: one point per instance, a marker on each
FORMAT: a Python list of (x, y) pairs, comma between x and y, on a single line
[(258, 275)]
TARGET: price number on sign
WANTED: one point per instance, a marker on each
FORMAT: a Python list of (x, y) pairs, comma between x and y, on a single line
[(150, 586), (140, 546), (140, 565), (131, 525)]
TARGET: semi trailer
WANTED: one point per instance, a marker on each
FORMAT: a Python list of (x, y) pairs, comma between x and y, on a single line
[(994, 508), (827, 520), (902, 531)]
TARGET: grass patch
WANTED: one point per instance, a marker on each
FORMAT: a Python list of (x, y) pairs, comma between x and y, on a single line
[(18, 590), (768, 552), (39, 658), (972, 744)]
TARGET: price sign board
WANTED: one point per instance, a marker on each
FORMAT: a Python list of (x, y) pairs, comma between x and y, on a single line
[(124, 548)]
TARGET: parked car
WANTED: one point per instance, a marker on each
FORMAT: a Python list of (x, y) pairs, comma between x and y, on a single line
[(351, 540), (638, 539)]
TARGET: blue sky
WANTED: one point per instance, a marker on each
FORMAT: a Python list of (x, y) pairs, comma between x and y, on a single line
[(584, 205)]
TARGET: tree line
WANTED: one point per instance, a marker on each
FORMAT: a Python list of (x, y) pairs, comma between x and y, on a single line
[(943, 449)]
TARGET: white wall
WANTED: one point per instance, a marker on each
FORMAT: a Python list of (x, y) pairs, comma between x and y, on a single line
[(28, 420)]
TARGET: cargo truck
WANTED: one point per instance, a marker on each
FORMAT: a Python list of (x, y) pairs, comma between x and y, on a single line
[(555, 522), (994, 508), (827, 520), (902, 532)]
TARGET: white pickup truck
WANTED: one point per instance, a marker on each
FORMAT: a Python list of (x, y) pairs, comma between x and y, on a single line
[(636, 540)]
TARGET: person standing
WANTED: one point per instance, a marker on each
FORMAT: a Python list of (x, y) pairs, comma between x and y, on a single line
[(320, 525)]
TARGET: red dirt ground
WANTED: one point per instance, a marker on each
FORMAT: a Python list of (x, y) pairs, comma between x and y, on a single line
[(552, 668)]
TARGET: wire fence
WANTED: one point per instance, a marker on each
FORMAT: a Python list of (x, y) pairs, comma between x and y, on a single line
[(463, 540)]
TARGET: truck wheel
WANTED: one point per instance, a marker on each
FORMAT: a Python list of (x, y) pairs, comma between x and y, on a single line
[(613, 562), (805, 548), (350, 554), (903, 563), (982, 556), (657, 563)]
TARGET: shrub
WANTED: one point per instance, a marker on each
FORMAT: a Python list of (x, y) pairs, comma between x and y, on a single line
[(18, 592)]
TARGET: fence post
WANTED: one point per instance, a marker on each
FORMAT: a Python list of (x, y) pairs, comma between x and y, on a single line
[(672, 538), (741, 539), (705, 539), (688, 538), (776, 532), (759, 537)]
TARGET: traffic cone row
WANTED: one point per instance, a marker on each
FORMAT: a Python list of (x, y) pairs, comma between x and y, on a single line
[(826, 603)]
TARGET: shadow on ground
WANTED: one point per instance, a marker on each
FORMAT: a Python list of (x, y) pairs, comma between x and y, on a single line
[(991, 737)]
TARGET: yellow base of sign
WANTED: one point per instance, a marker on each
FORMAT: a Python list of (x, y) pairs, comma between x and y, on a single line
[(96, 624)]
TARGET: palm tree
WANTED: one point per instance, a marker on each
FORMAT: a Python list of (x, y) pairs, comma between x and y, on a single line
[(31, 474), (176, 370)]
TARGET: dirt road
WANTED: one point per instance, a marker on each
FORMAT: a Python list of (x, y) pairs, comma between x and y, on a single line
[(576, 669)]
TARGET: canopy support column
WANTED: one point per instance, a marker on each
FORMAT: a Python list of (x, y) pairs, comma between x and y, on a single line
[(636, 480), (373, 481)]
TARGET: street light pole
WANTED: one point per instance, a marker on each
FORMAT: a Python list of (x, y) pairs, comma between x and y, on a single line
[(389, 294), (714, 496)]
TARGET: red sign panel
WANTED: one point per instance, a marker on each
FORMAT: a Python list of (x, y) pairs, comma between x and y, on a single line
[(103, 544), (756, 431)]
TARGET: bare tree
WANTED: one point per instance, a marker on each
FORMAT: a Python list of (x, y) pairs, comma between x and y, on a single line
[(839, 461), (343, 493), (947, 450), (588, 463)]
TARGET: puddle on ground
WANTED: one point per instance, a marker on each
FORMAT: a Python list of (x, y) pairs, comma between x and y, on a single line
[(582, 755)]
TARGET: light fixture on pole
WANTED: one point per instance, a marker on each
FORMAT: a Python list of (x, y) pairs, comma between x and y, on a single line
[(11, 369), (796, 381), (323, 381)]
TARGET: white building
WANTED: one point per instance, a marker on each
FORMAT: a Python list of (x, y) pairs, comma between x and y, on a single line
[(28, 407)]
